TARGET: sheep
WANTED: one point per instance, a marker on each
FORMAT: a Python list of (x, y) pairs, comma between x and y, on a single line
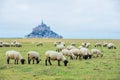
[(85, 53), (80, 47), (33, 55), (6, 44), (98, 44), (87, 45), (83, 44), (73, 44), (59, 47), (39, 44), (70, 47), (111, 46), (17, 44), (68, 53), (52, 55), (97, 52), (76, 52), (105, 44), (12, 54)]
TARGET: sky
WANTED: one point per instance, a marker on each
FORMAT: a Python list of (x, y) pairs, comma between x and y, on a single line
[(87, 19)]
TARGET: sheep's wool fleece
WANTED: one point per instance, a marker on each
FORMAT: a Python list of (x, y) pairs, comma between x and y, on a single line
[(13, 54), (55, 55)]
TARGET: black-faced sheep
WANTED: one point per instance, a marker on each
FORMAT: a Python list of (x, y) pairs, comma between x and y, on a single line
[(96, 52), (76, 52), (52, 55), (14, 55), (98, 44), (111, 46), (59, 47), (68, 53), (33, 55), (85, 53)]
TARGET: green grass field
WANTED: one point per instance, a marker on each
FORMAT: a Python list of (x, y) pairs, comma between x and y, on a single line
[(105, 68)]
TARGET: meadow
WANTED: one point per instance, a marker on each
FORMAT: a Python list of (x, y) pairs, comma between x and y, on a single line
[(105, 68)]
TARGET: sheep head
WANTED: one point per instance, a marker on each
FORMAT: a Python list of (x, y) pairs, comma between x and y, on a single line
[(22, 61), (65, 62)]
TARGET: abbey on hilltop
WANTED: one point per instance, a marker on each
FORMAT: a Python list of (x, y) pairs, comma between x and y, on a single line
[(43, 31)]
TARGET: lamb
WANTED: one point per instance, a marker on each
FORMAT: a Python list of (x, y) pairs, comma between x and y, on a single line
[(33, 55), (85, 53), (68, 53), (52, 55), (97, 52), (12, 54)]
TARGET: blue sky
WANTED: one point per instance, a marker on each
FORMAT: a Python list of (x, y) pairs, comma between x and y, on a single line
[(98, 19)]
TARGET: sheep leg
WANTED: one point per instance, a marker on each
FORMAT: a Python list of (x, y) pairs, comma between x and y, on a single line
[(58, 62), (33, 61), (8, 61), (15, 61), (46, 62), (29, 60), (49, 61), (37, 61)]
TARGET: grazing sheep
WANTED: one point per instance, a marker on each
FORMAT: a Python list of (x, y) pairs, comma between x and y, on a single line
[(85, 53), (17, 44), (52, 55), (80, 47), (6, 44), (68, 53), (73, 44), (105, 44), (83, 44), (70, 47), (97, 52), (14, 55), (59, 47), (98, 44), (76, 52), (87, 45), (39, 44), (111, 46), (33, 55)]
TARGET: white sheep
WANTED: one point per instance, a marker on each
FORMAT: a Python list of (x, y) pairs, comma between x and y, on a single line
[(96, 52), (99, 44), (52, 55), (76, 52), (14, 55), (59, 47), (39, 44), (85, 53), (33, 55), (111, 46), (70, 47), (68, 53), (73, 44)]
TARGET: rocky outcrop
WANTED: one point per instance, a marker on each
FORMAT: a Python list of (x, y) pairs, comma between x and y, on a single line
[(43, 31)]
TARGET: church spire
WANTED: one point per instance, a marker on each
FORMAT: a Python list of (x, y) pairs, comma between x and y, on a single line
[(42, 22)]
